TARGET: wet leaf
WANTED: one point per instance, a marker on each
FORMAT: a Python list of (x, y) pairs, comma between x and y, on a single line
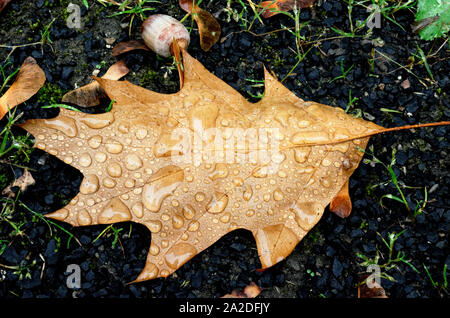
[(274, 7), (91, 94), (208, 27), (22, 182), (3, 4), (128, 46), (195, 165), (27, 83), (250, 291)]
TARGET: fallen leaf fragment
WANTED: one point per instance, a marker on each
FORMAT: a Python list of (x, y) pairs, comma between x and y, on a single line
[(27, 83), (405, 84), (22, 182), (128, 46), (91, 94), (250, 291), (3, 4), (274, 7), (376, 290), (341, 203), (140, 164), (208, 27)]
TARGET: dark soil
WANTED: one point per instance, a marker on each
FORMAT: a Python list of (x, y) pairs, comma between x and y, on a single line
[(325, 263)]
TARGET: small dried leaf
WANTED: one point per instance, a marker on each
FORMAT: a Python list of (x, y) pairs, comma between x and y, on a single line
[(3, 4), (22, 182), (250, 291), (208, 27), (91, 94), (124, 47), (376, 290), (274, 7), (27, 83)]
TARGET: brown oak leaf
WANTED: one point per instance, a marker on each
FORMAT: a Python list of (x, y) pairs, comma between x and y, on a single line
[(25, 180), (3, 4), (274, 7), (91, 94), (194, 165), (208, 27), (27, 83)]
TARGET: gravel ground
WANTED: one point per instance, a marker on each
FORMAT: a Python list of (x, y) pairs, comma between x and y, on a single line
[(325, 263)]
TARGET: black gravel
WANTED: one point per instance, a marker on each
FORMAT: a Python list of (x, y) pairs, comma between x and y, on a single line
[(325, 263)]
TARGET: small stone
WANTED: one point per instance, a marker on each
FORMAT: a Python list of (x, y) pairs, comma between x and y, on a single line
[(405, 84), (337, 268)]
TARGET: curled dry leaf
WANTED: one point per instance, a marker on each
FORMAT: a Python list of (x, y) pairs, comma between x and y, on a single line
[(195, 165), (375, 291), (3, 4), (22, 182), (274, 7), (90, 94), (27, 83), (128, 46), (208, 27), (250, 291)]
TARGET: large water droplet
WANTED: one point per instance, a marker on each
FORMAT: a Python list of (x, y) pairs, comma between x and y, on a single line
[(199, 196), (154, 249), (188, 212), (309, 137), (248, 193), (203, 117), (169, 144), (160, 185), (98, 121), (84, 218), (179, 254), (307, 214), (218, 203), (301, 154), (115, 211), (177, 222), (194, 226), (133, 162), (150, 272), (278, 195), (95, 141), (114, 169), (64, 124), (141, 133), (89, 184), (109, 183), (260, 172), (85, 160), (138, 209), (153, 225), (113, 146), (220, 171)]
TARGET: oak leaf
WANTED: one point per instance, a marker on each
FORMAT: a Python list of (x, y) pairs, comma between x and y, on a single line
[(25, 180), (27, 83), (250, 291), (3, 4), (208, 27), (274, 7), (138, 168), (91, 94)]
